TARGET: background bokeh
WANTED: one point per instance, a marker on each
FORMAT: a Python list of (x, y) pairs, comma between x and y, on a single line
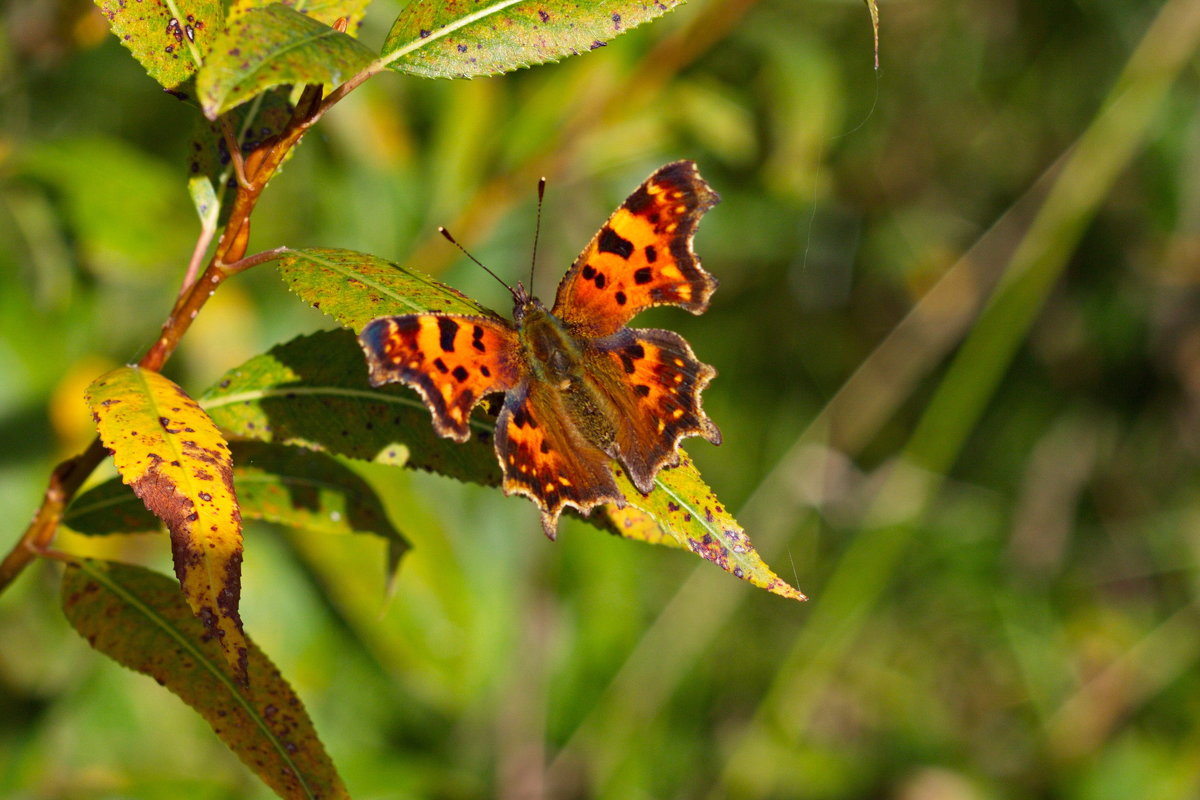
[(958, 338)]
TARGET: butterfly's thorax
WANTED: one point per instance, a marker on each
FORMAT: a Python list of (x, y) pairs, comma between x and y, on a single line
[(553, 354), (557, 358)]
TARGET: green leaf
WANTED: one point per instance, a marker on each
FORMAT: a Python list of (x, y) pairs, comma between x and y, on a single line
[(688, 511), (285, 485), (108, 508), (253, 123), (169, 38), (355, 288), (313, 392), (177, 462), (137, 618), (446, 39), (267, 47)]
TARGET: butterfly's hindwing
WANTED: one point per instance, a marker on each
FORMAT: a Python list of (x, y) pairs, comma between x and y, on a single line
[(656, 399), (544, 457)]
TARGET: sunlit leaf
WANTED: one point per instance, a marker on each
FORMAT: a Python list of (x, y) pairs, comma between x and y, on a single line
[(170, 39), (137, 618), (326, 11), (441, 39), (688, 511), (177, 462), (355, 288), (631, 522), (267, 47)]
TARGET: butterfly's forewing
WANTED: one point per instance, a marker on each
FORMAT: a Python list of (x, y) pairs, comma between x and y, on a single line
[(642, 257), (451, 360), (546, 458)]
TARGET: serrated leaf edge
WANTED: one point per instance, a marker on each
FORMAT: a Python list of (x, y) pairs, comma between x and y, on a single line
[(433, 36)]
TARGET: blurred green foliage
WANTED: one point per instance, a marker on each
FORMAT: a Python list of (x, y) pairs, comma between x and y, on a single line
[(1019, 621)]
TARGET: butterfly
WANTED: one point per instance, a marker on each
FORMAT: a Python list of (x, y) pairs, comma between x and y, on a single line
[(581, 390)]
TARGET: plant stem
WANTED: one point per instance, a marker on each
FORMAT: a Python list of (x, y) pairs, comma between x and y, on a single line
[(254, 171)]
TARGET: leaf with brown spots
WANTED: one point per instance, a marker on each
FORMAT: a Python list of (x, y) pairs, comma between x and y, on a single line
[(267, 47), (355, 288), (688, 511), (210, 170), (177, 462), (468, 38), (137, 618), (169, 40)]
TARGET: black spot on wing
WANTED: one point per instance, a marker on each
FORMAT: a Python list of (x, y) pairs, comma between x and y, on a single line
[(460, 373), (613, 242), (651, 254), (643, 276), (447, 330), (441, 365)]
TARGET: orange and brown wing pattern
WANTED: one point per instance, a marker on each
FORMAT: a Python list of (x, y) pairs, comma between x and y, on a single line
[(545, 458), (642, 257), (452, 361), (657, 399)]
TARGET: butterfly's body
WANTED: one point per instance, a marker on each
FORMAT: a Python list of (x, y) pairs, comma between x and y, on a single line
[(581, 390)]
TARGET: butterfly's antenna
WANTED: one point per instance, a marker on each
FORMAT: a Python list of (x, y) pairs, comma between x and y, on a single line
[(454, 242), (537, 230)]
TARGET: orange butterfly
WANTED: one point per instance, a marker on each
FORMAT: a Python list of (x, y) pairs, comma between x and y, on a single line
[(581, 389)]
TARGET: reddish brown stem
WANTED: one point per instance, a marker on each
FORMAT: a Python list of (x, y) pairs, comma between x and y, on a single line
[(254, 171)]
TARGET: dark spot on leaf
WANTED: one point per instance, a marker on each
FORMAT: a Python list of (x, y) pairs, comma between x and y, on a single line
[(424, 34), (596, 44)]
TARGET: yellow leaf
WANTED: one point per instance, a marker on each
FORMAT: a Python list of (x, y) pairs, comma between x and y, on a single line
[(171, 453)]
